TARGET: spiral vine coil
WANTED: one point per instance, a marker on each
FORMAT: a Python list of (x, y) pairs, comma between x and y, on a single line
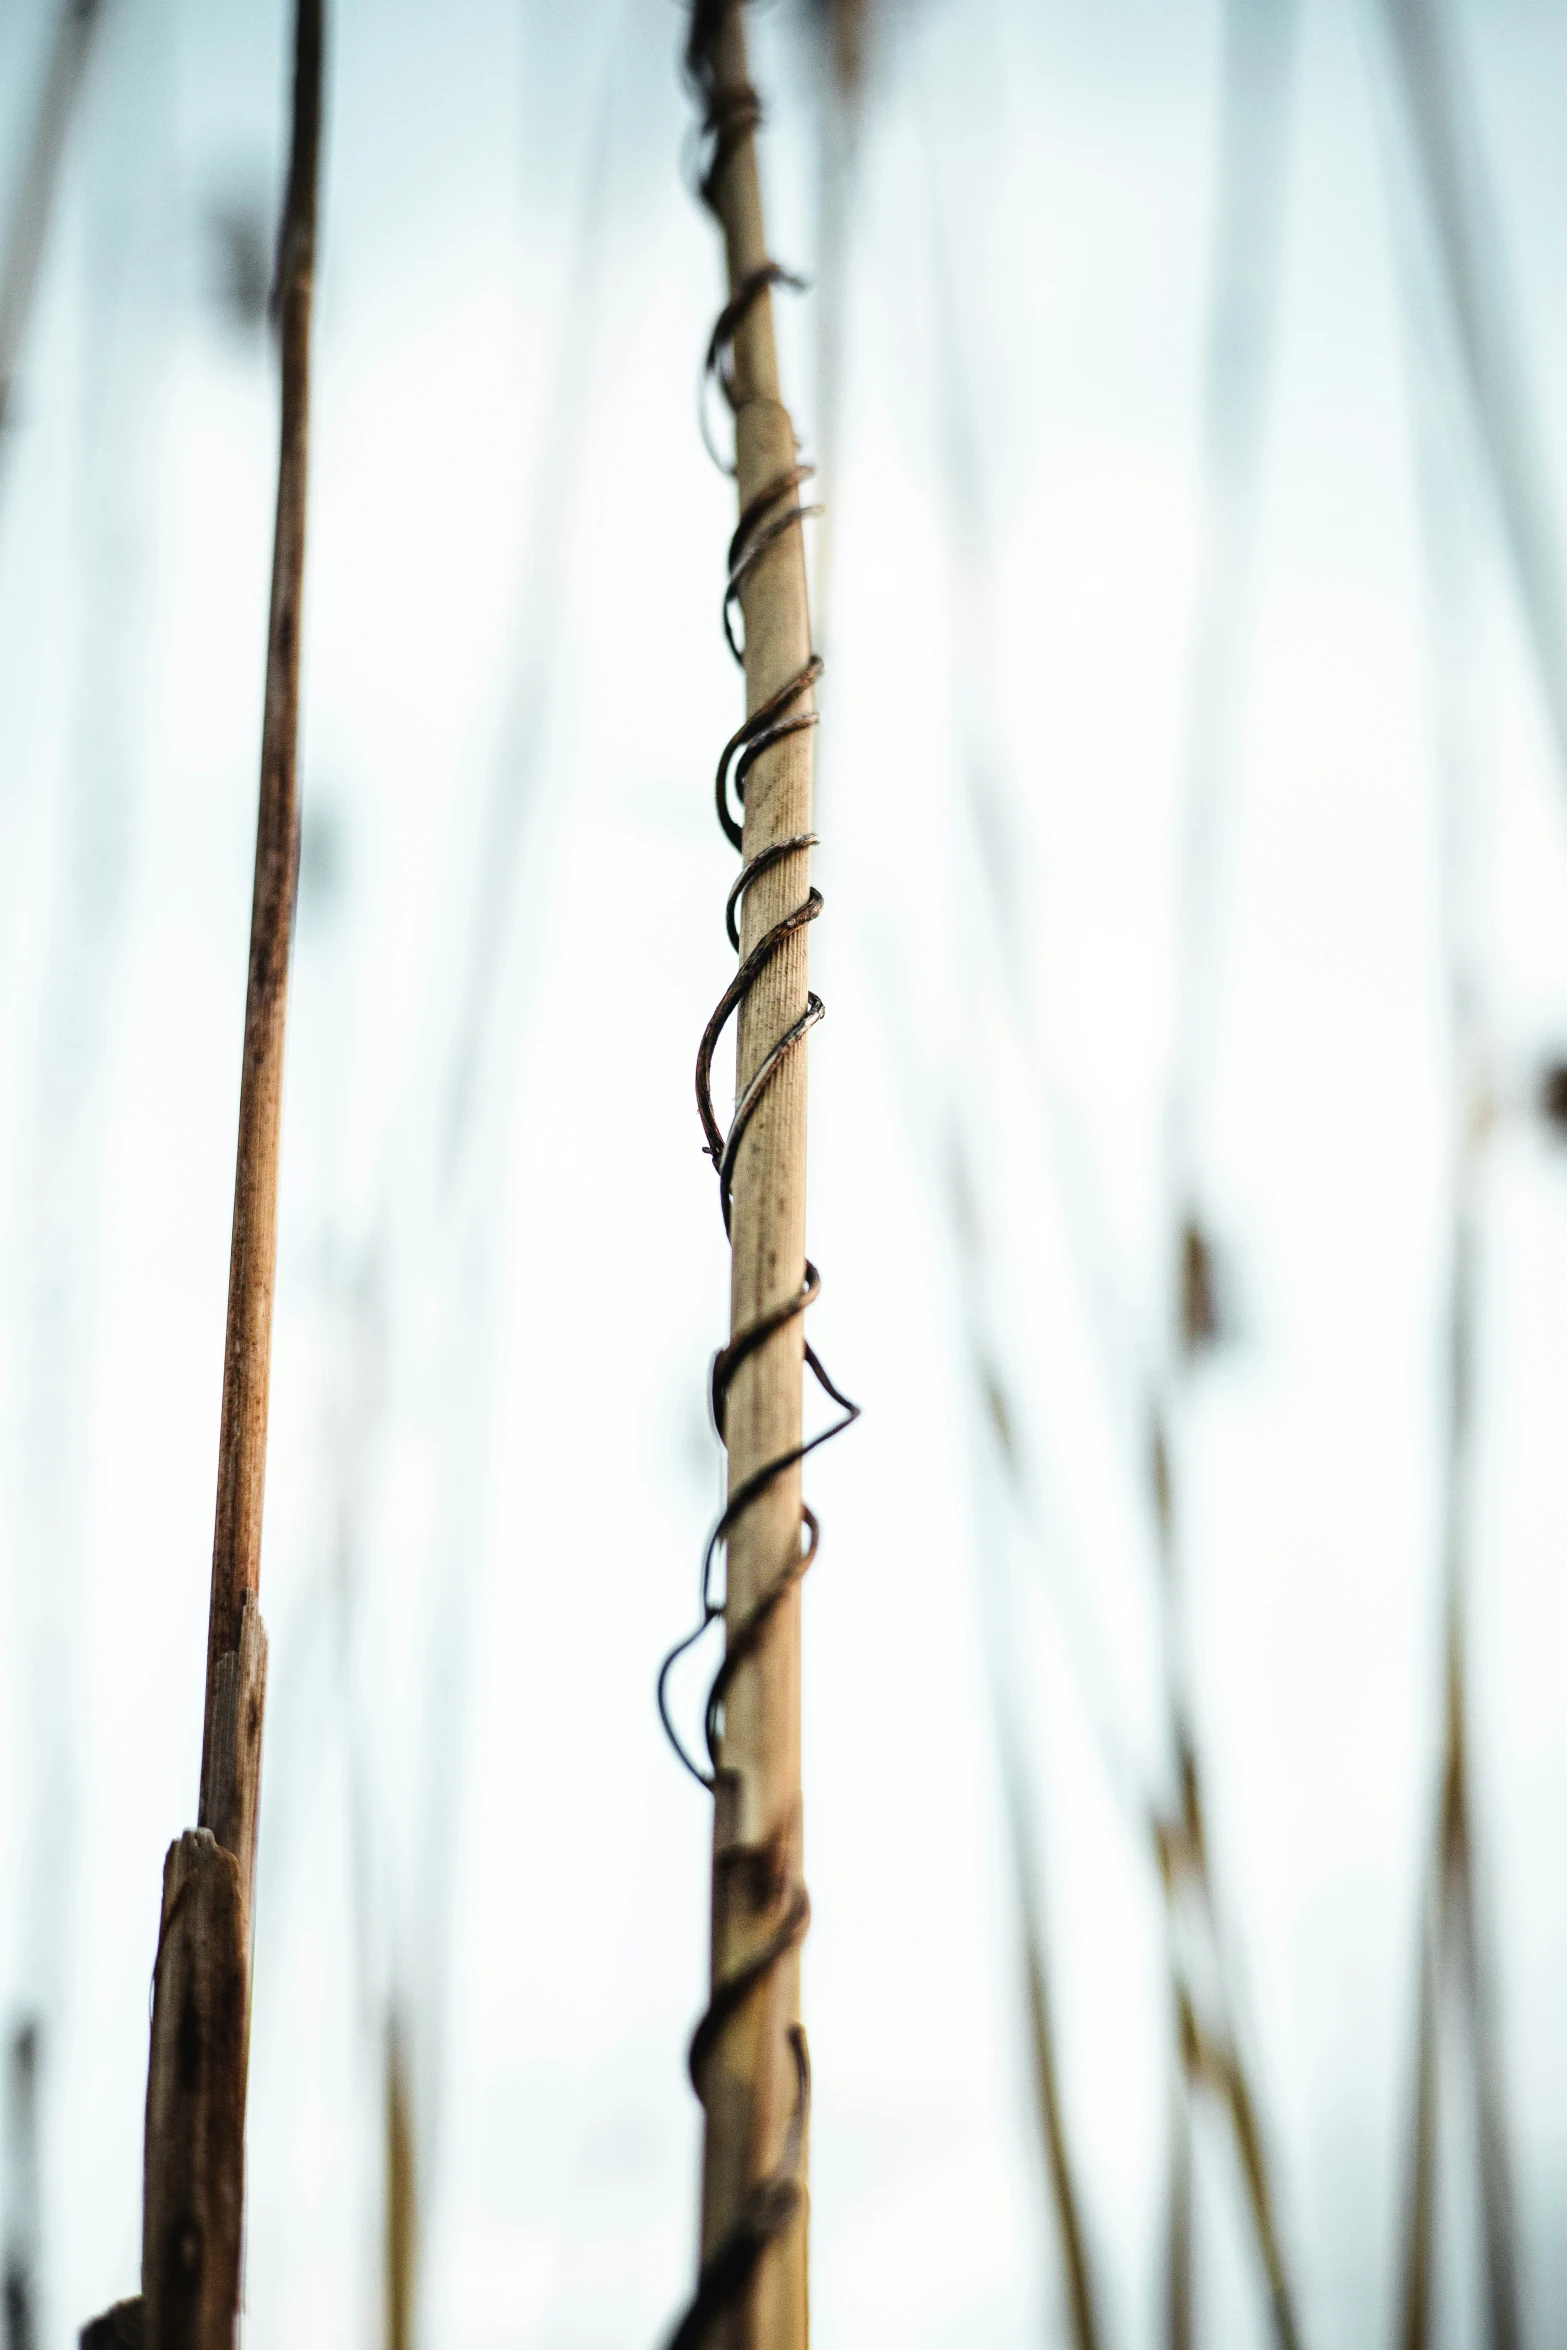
[(770, 2205)]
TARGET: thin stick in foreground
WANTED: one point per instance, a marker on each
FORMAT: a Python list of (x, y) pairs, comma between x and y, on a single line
[(195, 2133), (247, 1364)]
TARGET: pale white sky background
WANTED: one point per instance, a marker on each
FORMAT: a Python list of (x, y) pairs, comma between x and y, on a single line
[(490, 1471)]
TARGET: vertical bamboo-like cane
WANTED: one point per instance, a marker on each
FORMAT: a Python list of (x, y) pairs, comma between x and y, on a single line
[(247, 1362), (193, 2201), (752, 2073)]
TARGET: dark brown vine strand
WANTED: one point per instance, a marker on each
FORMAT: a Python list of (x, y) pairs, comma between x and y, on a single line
[(728, 115), (748, 873), (716, 367), (772, 2204), (761, 730), (757, 530), (744, 1636), (722, 1148)]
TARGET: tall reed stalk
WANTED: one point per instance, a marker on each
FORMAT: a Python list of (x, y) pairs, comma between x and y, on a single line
[(749, 2059), (193, 2206)]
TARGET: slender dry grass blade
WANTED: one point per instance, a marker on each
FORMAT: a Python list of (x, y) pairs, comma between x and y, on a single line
[(1453, 1956), (19, 2264), (242, 1441), (402, 2208), (1178, 2276), (1049, 2108), (1503, 2311), (1259, 2195), (1002, 1455), (34, 204), (1255, 110), (1420, 2220)]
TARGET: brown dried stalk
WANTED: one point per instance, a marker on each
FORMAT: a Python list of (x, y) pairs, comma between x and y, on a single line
[(753, 2288), (195, 2133)]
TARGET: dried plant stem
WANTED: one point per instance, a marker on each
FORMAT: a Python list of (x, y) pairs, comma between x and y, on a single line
[(1002, 1464), (1055, 2141), (1482, 354), (194, 2196), (1452, 1946), (242, 1442), (195, 2135), (1179, 2295), (1258, 51), (1453, 1953), (1454, 1971), (752, 2084), (401, 2189), (1255, 109)]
